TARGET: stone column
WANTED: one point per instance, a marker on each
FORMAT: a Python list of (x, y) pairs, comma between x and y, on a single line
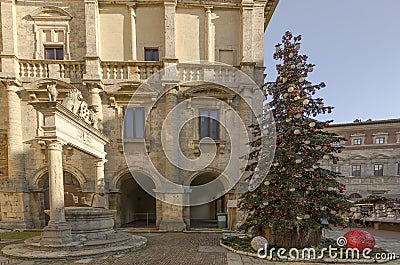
[(56, 182), (100, 199), (58, 232), (172, 214), (210, 38), (169, 30), (247, 31), (14, 134), (92, 40), (132, 13), (171, 100), (9, 62)]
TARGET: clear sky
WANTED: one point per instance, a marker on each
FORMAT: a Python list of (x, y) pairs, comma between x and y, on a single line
[(355, 45)]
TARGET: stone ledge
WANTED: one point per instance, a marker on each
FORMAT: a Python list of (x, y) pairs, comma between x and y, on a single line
[(25, 251)]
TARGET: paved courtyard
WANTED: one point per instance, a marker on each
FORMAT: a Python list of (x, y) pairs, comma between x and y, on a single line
[(197, 248)]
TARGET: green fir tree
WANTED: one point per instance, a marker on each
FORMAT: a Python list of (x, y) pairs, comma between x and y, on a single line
[(297, 196)]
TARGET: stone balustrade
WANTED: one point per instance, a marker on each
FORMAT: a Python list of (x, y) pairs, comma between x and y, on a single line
[(129, 70), (51, 69), (124, 70), (213, 72)]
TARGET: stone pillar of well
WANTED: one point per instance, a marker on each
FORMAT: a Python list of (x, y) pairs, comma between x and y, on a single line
[(100, 196), (58, 232), (92, 24)]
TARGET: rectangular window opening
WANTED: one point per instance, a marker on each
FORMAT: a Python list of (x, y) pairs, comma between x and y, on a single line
[(378, 170), (54, 53), (134, 123), (356, 170), (208, 123), (151, 54)]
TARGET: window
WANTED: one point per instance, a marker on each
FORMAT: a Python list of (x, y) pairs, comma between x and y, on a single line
[(335, 169), (208, 123), (398, 169), (54, 53), (378, 170), (380, 140), (134, 123), (356, 170), (357, 141), (336, 143), (51, 26), (151, 54)]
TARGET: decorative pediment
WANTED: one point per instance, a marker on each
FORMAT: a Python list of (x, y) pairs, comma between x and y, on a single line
[(50, 13), (358, 157), (379, 156), (121, 93), (209, 91)]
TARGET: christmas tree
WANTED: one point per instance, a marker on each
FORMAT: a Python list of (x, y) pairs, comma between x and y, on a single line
[(297, 197)]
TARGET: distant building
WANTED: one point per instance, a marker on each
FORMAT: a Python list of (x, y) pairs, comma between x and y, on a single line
[(370, 160)]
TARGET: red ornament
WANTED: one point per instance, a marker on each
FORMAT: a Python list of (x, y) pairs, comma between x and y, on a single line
[(264, 192), (359, 239), (277, 211)]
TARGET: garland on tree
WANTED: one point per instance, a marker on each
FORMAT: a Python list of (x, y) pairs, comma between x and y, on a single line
[(294, 193)]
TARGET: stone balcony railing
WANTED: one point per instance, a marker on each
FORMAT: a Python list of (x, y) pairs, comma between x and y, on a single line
[(36, 69), (210, 72), (29, 70), (135, 70)]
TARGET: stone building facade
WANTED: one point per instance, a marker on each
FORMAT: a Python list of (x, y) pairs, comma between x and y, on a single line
[(370, 160), (106, 49)]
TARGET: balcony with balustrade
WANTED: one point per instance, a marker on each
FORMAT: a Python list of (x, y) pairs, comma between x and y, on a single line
[(111, 72)]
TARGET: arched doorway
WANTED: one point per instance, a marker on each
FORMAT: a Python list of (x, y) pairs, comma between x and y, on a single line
[(137, 208), (73, 195), (205, 215)]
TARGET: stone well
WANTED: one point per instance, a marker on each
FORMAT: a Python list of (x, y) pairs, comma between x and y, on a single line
[(92, 232), (89, 223)]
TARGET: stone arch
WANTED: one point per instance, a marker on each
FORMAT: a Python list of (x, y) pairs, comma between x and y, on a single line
[(115, 180), (355, 196), (134, 205), (34, 181), (188, 180), (205, 215)]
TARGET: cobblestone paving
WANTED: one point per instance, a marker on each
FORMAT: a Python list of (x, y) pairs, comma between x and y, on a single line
[(202, 248)]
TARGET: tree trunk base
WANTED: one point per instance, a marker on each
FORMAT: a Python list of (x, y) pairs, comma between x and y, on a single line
[(292, 239)]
